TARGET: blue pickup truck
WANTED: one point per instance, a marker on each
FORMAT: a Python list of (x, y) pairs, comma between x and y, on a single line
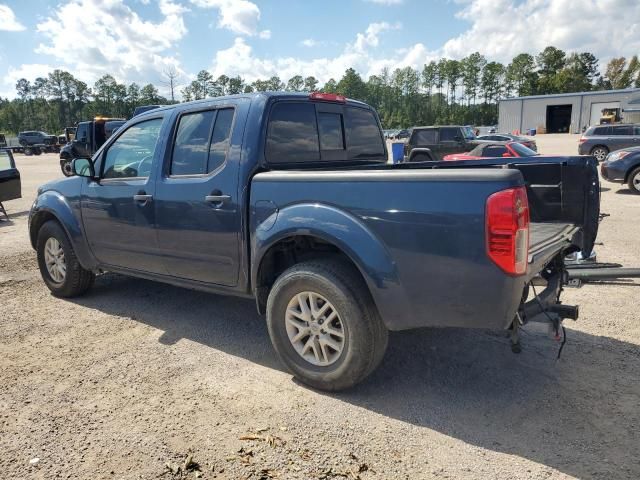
[(289, 199)]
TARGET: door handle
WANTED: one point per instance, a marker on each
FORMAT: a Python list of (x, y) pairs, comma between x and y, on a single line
[(217, 198), (140, 197)]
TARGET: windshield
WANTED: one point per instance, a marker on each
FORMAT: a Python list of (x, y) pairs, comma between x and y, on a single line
[(523, 151), (468, 133)]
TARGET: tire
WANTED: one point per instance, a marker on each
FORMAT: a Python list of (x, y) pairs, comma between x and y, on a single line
[(600, 153), (76, 281), (28, 151), (65, 166), (37, 151), (634, 181), (364, 336)]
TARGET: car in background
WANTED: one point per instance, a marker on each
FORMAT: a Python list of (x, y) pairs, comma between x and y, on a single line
[(144, 108), (600, 140), (623, 166), (32, 137), (441, 140), (402, 134), (494, 150), (507, 137)]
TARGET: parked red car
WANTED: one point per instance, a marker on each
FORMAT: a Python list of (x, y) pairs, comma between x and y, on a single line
[(494, 150)]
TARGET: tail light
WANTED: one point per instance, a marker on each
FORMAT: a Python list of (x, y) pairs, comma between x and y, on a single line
[(507, 226), (582, 140), (328, 97)]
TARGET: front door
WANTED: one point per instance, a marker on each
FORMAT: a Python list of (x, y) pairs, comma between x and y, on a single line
[(82, 142), (197, 211), (118, 210), (450, 141)]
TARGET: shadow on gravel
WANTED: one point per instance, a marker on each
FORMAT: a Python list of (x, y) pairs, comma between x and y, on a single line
[(580, 415)]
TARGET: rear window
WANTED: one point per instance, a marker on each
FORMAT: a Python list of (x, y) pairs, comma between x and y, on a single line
[(302, 132), (523, 151), (363, 134), (424, 137), (494, 151), (292, 136)]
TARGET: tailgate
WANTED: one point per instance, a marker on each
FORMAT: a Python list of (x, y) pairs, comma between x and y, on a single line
[(10, 187)]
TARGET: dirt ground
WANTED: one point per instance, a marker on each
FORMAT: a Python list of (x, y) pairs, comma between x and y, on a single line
[(143, 380)]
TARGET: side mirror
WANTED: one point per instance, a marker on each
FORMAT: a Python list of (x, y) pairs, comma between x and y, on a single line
[(83, 167)]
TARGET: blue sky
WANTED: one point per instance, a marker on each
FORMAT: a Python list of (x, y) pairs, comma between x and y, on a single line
[(135, 40)]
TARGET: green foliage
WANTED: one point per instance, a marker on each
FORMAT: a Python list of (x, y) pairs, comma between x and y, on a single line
[(463, 91)]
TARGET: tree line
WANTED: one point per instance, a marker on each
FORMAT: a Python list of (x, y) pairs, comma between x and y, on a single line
[(464, 91)]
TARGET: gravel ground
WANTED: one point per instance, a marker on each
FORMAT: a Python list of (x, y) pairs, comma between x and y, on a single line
[(143, 380)]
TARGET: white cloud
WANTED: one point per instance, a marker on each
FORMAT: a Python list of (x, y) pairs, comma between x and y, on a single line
[(310, 42), (265, 34), (29, 71), (360, 54), (8, 20), (239, 16), (113, 39), (501, 29)]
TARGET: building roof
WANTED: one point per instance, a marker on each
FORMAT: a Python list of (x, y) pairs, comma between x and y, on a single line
[(575, 94)]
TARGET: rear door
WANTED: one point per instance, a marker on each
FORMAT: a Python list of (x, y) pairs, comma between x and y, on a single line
[(10, 187), (426, 138), (622, 136), (197, 209)]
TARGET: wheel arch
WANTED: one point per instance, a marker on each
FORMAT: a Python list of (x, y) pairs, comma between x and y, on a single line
[(329, 233)]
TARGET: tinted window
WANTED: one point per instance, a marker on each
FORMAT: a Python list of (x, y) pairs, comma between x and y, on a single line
[(601, 131), (494, 151), (292, 135), (636, 130), (424, 137), (363, 134), (191, 146), (220, 139), (82, 133), (131, 155), (623, 130), (330, 127), (449, 134), (523, 151)]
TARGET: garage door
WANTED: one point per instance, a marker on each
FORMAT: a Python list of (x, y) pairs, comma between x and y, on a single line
[(596, 111)]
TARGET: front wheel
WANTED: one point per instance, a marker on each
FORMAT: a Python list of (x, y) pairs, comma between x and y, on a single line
[(634, 181), (59, 267), (323, 325), (65, 166)]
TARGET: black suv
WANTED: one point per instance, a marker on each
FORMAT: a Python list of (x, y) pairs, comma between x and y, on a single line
[(442, 140)]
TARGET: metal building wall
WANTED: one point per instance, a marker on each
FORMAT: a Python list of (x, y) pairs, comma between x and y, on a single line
[(530, 112)]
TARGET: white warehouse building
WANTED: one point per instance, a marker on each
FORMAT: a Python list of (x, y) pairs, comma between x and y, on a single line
[(566, 112)]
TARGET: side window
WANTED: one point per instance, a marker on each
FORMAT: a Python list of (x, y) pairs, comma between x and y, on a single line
[(494, 151), (601, 131), (190, 150), (330, 127), (220, 139), (363, 134), (425, 137), (81, 134), (623, 130), (636, 130), (292, 134), (131, 155), (449, 134)]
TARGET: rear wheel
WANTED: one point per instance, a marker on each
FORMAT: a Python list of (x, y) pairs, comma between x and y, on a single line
[(59, 267), (634, 181), (600, 153), (323, 325), (28, 151)]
